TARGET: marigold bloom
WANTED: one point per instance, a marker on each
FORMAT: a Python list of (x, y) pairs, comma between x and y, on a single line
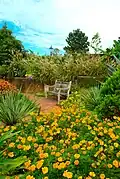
[(116, 163), (102, 176), (76, 162), (32, 168), (109, 165), (67, 174), (60, 159), (12, 144), (29, 138), (19, 146), (17, 177), (11, 154), (77, 156), (39, 164), (45, 170), (92, 174), (30, 177), (27, 164)]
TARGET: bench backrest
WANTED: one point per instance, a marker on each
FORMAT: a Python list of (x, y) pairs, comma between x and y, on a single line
[(60, 84)]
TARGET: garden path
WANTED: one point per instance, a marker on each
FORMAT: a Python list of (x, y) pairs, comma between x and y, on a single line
[(46, 105)]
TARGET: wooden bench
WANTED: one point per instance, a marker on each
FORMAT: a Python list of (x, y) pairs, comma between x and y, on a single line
[(59, 89)]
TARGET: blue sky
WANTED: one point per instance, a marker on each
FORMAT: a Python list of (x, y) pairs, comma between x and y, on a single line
[(42, 23)]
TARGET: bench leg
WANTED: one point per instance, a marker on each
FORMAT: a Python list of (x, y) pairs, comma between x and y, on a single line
[(58, 97)]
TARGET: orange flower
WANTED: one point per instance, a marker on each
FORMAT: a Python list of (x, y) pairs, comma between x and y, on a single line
[(11, 154), (19, 146), (45, 170), (16, 177), (76, 162), (67, 162), (27, 164), (32, 168), (39, 164), (116, 163)]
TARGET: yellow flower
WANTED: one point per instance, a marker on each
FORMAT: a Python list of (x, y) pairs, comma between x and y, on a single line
[(116, 163), (13, 127), (80, 177), (67, 174), (6, 128), (109, 165), (76, 162), (77, 156), (60, 159), (11, 154), (57, 154), (45, 170), (26, 147), (35, 145), (102, 176), (32, 168), (29, 138), (67, 163), (12, 144), (7, 177), (30, 177), (55, 165), (39, 164), (61, 166), (118, 154), (23, 140), (76, 146), (92, 174), (45, 178), (116, 145), (88, 177)]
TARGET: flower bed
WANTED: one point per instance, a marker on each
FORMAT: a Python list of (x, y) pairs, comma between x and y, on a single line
[(68, 143)]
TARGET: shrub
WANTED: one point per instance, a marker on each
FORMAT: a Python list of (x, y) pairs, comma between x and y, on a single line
[(6, 87), (66, 68), (3, 70), (68, 143), (109, 103), (14, 107)]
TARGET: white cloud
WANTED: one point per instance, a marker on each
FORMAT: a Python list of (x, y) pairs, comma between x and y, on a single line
[(62, 16)]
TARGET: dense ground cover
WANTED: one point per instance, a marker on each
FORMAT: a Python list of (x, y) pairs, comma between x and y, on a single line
[(68, 143)]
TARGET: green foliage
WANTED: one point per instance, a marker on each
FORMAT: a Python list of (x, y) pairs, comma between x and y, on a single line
[(77, 42), (109, 103), (3, 70), (66, 68), (90, 97), (96, 43), (8, 45), (8, 166), (14, 107), (18, 66)]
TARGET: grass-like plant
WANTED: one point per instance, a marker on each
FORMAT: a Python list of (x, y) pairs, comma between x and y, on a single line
[(14, 107), (89, 97)]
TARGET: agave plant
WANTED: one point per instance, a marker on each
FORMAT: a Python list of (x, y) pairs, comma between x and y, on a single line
[(8, 166), (14, 107), (90, 97)]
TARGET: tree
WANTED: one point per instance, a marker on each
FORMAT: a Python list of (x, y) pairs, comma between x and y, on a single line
[(9, 45), (96, 43), (77, 42)]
